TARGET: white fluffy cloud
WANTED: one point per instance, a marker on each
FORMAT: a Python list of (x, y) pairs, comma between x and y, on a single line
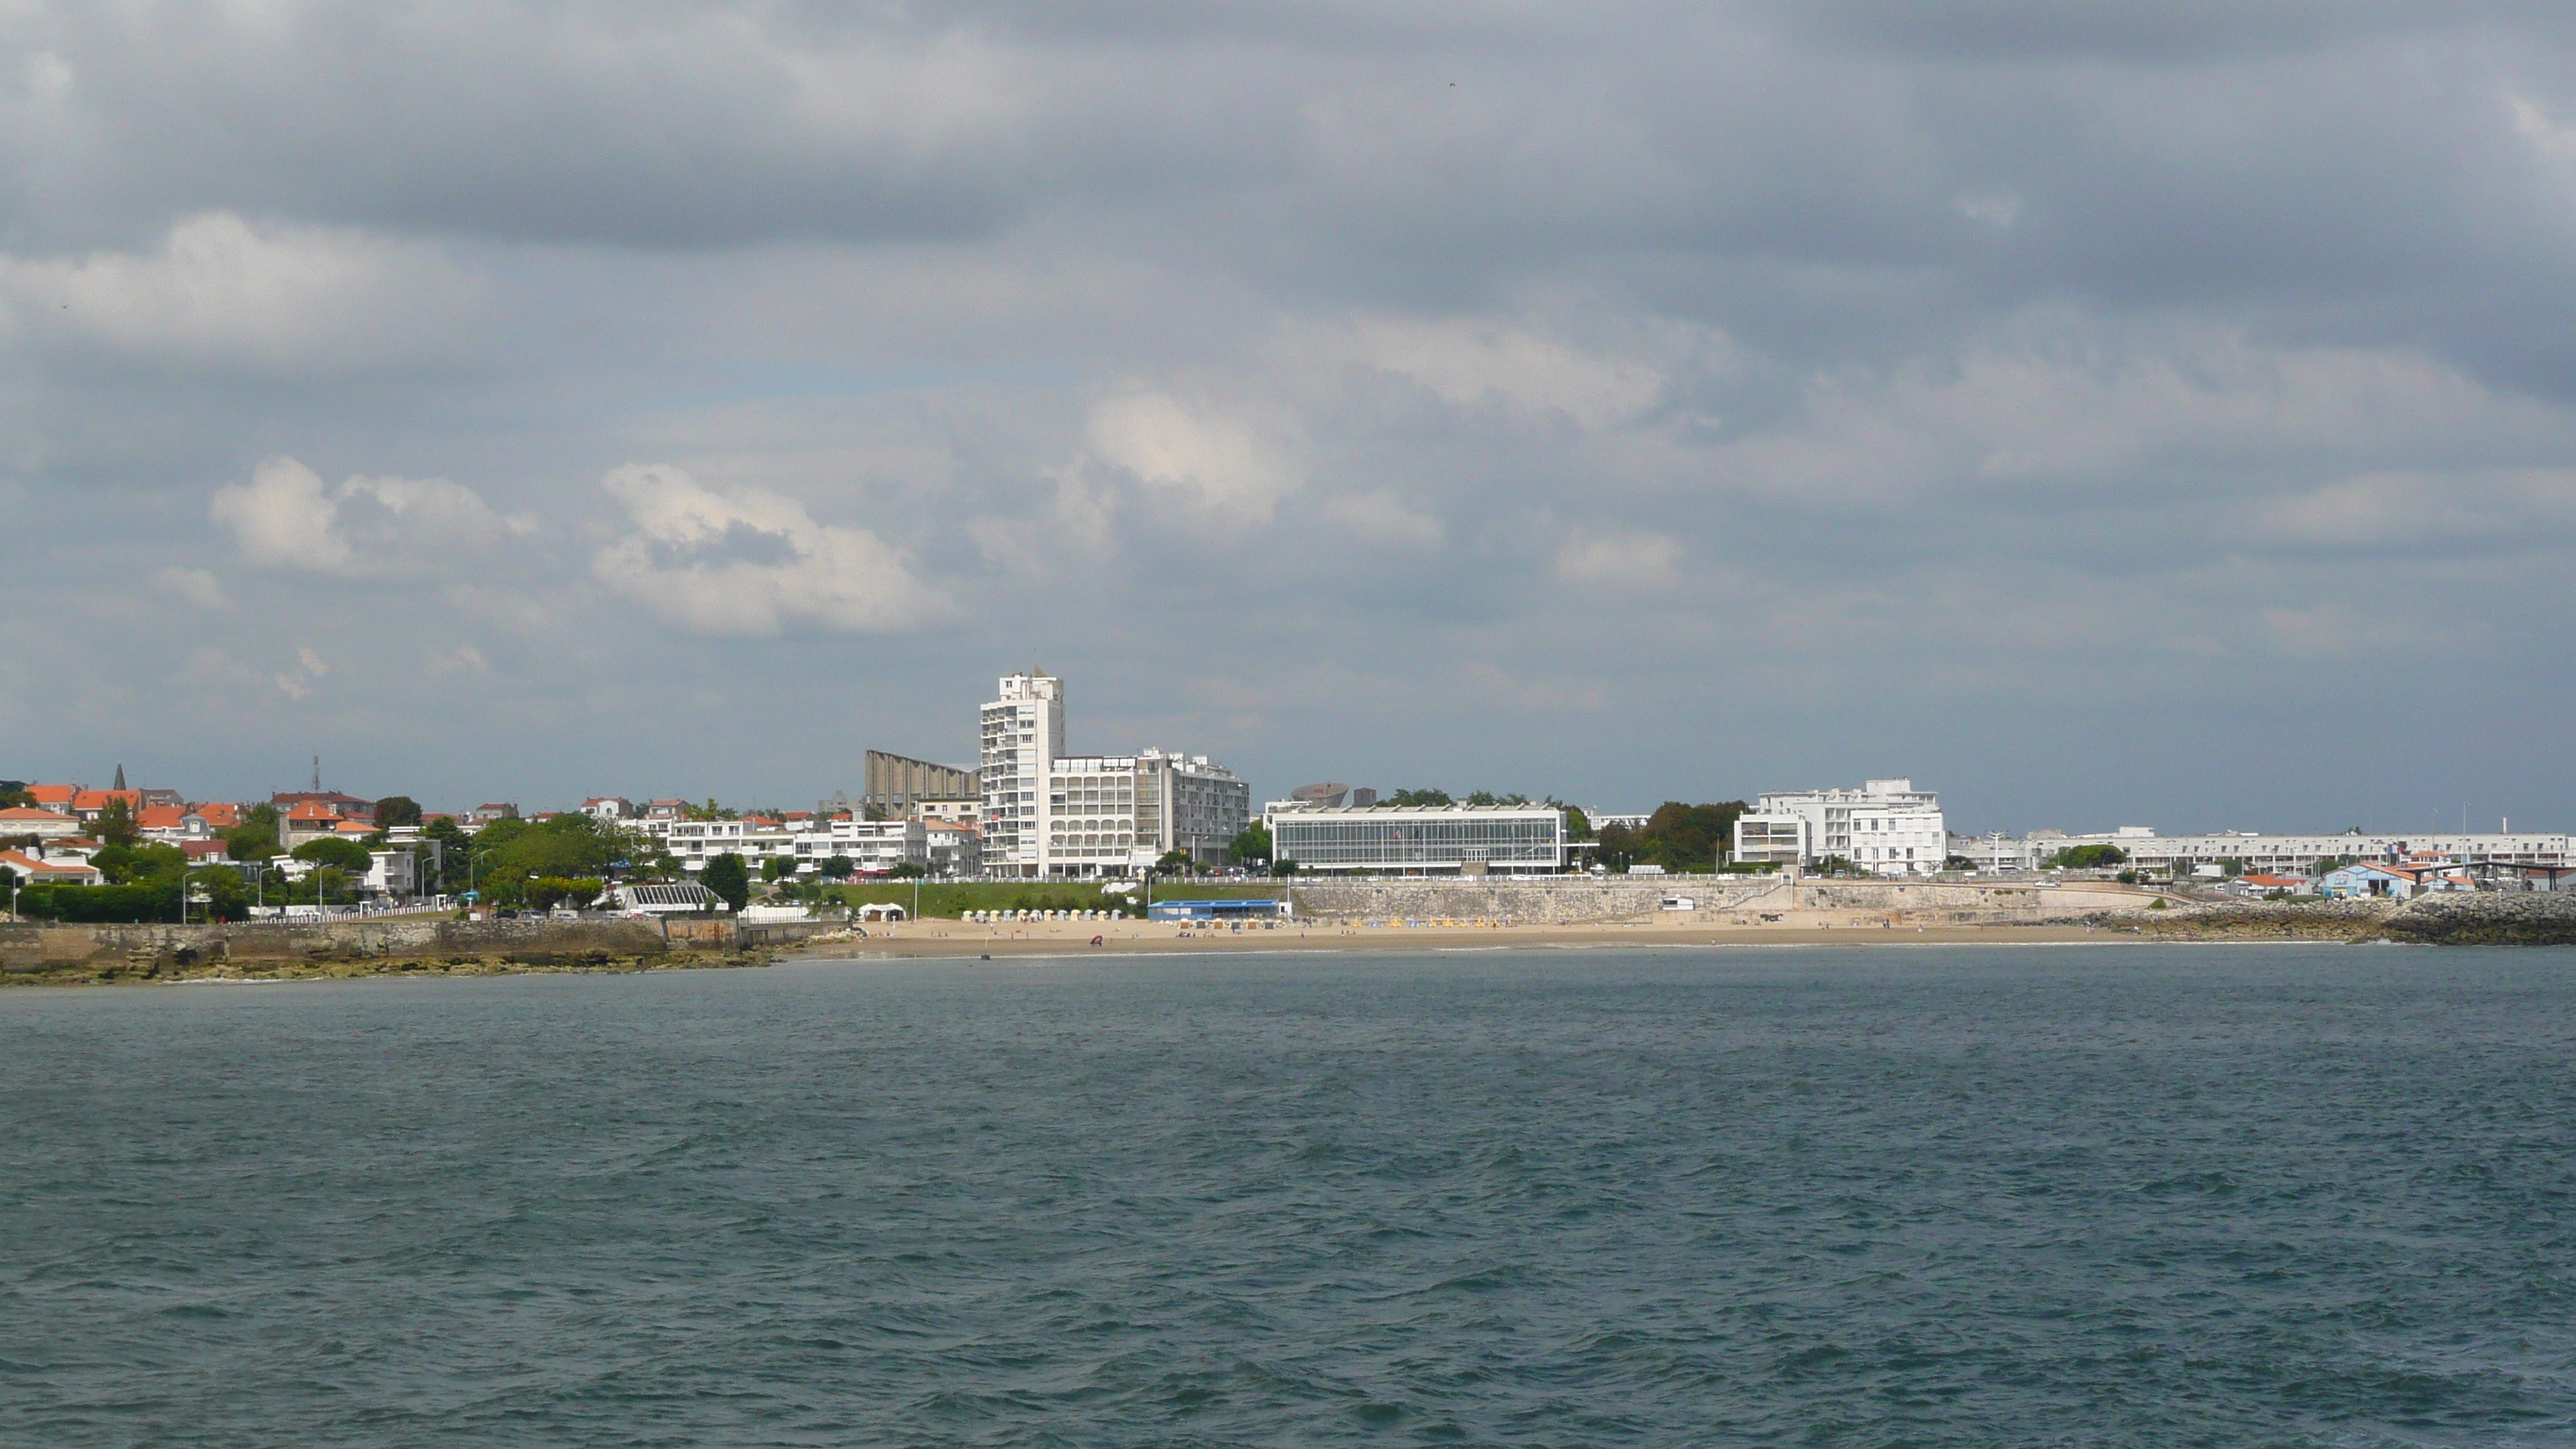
[(286, 518), (1636, 561), (221, 292), (2381, 509), (1471, 361), (751, 562), (1216, 461)]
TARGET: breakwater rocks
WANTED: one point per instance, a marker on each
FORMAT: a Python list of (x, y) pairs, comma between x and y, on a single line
[(75, 954), (2488, 918), (2480, 918)]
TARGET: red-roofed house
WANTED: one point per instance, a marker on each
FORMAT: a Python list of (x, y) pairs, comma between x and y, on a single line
[(57, 798), (310, 820), (42, 824), (88, 805), (347, 807), (2297, 885), (171, 824), (59, 870), (221, 815)]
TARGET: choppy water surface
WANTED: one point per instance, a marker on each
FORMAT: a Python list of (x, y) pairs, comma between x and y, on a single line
[(1927, 1197)]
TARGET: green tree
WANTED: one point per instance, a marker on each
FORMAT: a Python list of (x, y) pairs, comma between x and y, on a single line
[(1175, 862), (397, 810), (255, 838), (546, 892), (1283, 866), (1251, 845), (2086, 857), (906, 870), (1677, 836), (728, 877), (571, 846), (347, 855), (446, 843), (1418, 797), (777, 867), (839, 867), (115, 825), (16, 796), (1578, 826)]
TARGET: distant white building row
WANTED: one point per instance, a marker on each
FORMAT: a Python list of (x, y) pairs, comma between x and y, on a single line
[(2255, 853)]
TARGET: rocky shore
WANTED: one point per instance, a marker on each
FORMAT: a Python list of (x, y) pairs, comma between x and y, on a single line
[(2467, 919)]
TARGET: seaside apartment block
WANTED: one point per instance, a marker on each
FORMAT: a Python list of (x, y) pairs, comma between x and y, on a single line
[(1884, 827)]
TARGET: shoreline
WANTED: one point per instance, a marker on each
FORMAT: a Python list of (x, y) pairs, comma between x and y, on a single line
[(925, 941)]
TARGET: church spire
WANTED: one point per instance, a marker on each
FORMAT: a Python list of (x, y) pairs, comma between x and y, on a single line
[(120, 776)]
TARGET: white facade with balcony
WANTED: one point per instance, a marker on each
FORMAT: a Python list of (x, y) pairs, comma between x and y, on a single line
[(1884, 827)]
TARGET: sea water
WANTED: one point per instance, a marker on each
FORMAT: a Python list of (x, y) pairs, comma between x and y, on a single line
[(1943, 1196)]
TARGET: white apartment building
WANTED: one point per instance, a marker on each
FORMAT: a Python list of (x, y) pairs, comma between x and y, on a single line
[(1052, 814), (1885, 827), (873, 847), (956, 848), (1023, 733)]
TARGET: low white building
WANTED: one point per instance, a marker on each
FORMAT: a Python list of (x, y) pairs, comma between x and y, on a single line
[(392, 873), (1418, 839), (1885, 827), (677, 898), (872, 847)]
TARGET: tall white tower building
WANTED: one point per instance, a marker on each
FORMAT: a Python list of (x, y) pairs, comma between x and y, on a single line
[(1023, 734)]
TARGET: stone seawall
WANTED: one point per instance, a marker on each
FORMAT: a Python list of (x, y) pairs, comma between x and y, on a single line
[(149, 950), (1597, 901)]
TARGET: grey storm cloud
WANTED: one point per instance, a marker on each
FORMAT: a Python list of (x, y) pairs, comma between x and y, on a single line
[(2081, 406)]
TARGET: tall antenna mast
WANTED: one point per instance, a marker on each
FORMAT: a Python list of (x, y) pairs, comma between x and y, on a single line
[(317, 774)]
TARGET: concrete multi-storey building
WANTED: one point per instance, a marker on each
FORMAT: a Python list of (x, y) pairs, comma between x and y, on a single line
[(1885, 827), (898, 784), (1051, 813)]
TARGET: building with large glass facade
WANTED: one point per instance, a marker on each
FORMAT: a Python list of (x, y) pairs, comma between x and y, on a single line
[(1418, 839)]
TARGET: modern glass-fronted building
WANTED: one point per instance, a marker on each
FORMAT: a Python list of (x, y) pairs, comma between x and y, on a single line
[(1419, 839)]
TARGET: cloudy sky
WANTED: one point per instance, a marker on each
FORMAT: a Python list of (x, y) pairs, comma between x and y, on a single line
[(2105, 413)]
